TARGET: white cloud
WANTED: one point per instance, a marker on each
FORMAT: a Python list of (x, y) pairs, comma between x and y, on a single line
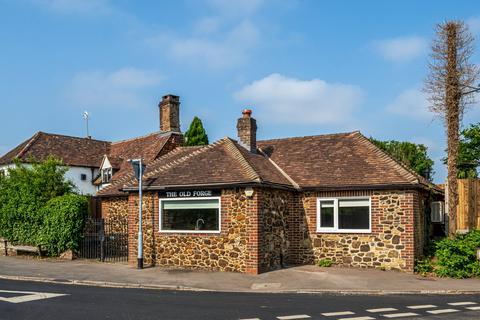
[(121, 88), (291, 100), (75, 6), (216, 52), (401, 49), (474, 24), (411, 103)]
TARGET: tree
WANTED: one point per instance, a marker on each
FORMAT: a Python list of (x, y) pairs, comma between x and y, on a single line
[(413, 155), (23, 192), (196, 134), (469, 152), (450, 73)]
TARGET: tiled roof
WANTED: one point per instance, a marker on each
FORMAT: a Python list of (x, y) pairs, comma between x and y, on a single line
[(146, 147), (73, 151), (337, 161), (85, 152), (224, 162)]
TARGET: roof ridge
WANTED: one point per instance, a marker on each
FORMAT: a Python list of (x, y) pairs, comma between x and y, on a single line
[(246, 165), (28, 145), (144, 136), (312, 136), (290, 179), (70, 136), (386, 156)]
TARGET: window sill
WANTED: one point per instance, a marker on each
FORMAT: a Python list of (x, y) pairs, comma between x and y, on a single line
[(344, 231)]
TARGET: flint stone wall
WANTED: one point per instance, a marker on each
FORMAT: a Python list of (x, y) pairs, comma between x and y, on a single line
[(390, 245), (233, 249)]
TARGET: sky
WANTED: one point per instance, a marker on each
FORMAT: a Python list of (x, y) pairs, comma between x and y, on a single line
[(304, 67)]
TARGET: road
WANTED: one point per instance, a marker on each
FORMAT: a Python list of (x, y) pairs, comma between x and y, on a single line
[(34, 300)]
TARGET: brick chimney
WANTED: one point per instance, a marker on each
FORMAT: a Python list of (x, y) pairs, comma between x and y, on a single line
[(247, 131), (169, 113)]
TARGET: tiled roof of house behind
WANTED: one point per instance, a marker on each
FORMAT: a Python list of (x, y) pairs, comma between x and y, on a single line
[(336, 161), (147, 147), (73, 151)]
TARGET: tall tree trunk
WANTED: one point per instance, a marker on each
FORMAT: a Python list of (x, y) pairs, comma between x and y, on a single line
[(452, 97)]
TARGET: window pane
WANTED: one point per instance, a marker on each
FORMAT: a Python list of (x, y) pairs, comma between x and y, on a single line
[(190, 215), (326, 217), (354, 217)]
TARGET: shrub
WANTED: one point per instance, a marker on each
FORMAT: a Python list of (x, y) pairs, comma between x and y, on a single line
[(325, 263), (23, 192), (424, 266), (64, 221), (457, 257)]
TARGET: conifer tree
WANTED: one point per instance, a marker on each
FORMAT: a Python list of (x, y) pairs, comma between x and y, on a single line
[(196, 134)]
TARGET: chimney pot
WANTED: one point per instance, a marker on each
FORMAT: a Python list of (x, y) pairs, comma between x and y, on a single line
[(247, 113), (169, 113)]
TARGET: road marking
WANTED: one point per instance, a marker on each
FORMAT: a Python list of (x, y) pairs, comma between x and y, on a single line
[(358, 318), (442, 311), (473, 308), (422, 306), (400, 315), (251, 319), (297, 316), (340, 313), (27, 296), (381, 310), (466, 303)]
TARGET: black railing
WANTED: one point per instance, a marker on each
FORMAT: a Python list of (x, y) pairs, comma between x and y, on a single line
[(105, 240)]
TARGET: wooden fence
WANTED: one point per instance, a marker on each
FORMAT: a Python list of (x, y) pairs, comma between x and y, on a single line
[(468, 210)]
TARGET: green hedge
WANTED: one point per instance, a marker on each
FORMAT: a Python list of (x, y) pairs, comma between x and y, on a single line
[(38, 207), (64, 219), (457, 257)]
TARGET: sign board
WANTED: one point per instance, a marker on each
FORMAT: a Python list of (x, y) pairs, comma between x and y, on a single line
[(189, 193)]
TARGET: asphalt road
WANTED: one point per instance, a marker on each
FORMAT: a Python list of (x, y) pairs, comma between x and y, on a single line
[(31, 300)]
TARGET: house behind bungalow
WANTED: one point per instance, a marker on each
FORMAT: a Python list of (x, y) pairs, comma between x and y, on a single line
[(93, 164)]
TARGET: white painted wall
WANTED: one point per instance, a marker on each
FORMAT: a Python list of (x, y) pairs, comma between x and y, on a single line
[(85, 187), (74, 174)]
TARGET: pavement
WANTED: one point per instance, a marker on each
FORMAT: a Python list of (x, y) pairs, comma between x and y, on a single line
[(41, 301), (301, 279)]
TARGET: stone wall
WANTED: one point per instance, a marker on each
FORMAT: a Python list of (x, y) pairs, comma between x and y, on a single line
[(115, 209), (390, 245), (276, 229), (235, 248)]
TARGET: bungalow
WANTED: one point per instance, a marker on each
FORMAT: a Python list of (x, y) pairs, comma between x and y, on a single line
[(252, 206)]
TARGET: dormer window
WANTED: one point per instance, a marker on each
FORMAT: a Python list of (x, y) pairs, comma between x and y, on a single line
[(107, 175)]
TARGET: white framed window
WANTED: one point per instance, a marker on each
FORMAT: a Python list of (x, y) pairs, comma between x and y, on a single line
[(437, 213), (190, 215), (344, 215), (107, 175)]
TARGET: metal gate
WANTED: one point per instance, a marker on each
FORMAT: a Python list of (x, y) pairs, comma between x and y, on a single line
[(105, 240)]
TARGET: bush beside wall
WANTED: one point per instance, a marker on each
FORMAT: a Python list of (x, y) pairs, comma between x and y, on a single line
[(64, 219), (457, 257)]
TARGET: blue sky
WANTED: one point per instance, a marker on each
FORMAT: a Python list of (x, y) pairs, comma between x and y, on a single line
[(304, 67)]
